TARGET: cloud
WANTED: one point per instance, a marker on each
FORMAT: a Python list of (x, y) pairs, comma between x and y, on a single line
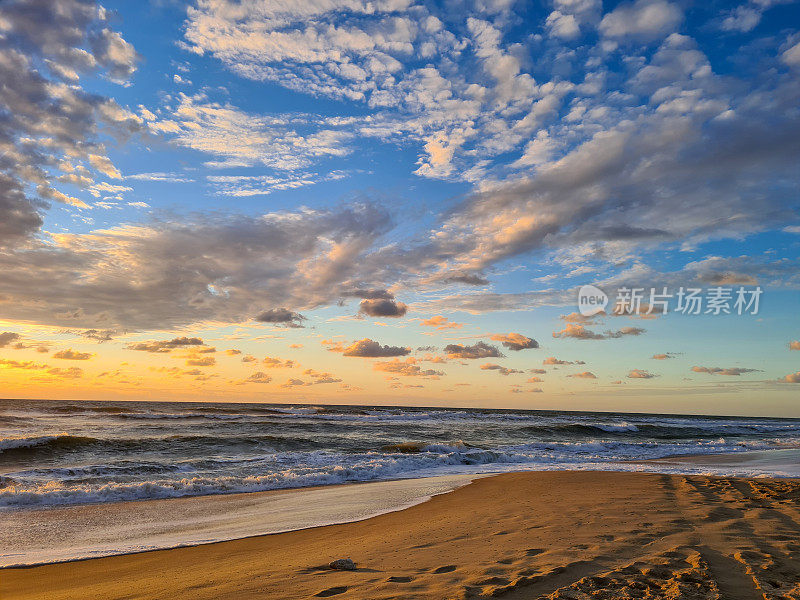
[(571, 208), (369, 294), (584, 375), (70, 354), (552, 360), (575, 317), (795, 345), (319, 378), (380, 307), (294, 382), (281, 316), (53, 128), (742, 18), (499, 368), (477, 350), (535, 380), (441, 323), (100, 335), (163, 177), (205, 361), (240, 139), (640, 374), (14, 364), (406, 368), (165, 345), (665, 356), (791, 56), (258, 377), (562, 26), (7, 337), (734, 371), (580, 332), (515, 341), (232, 352), (466, 278), (790, 378), (623, 331), (68, 373), (174, 273), (277, 363), (642, 20), (368, 348)]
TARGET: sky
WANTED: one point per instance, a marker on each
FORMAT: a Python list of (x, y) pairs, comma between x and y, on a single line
[(397, 202)]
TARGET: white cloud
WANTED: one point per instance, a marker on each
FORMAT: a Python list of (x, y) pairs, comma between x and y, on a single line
[(642, 20), (563, 26), (791, 56), (742, 18)]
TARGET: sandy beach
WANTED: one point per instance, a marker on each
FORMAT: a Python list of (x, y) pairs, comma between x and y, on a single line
[(517, 535)]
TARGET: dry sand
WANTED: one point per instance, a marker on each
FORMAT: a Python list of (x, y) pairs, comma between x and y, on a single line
[(520, 535)]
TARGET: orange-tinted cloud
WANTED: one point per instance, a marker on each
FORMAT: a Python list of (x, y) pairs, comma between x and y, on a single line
[(732, 371), (515, 341), (406, 368), (640, 374), (441, 322), (71, 354)]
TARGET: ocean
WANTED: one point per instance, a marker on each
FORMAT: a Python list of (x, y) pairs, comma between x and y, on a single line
[(59, 453)]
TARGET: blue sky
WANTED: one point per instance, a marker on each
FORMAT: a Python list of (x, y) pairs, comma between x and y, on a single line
[(259, 175)]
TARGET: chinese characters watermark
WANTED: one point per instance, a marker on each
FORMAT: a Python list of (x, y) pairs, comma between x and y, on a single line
[(660, 301)]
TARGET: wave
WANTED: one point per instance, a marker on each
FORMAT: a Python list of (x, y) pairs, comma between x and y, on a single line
[(326, 468), (64, 442), (12, 445)]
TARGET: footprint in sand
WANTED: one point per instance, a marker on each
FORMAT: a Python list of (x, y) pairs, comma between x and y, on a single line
[(533, 551), (493, 581), (399, 579), (334, 591), (446, 569)]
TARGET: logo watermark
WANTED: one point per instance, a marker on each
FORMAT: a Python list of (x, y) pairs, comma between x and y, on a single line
[(591, 300), (659, 301)]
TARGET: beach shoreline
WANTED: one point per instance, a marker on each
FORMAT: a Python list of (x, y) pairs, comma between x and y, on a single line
[(520, 534), (86, 532)]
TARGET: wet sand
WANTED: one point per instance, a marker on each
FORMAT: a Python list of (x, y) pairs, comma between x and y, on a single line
[(519, 535), (60, 533)]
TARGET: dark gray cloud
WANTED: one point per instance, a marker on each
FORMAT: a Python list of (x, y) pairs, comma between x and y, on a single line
[(7, 337), (467, 278), (281, 316), (51, 128), (477, 350), (165, 345), (380, 307), (19, 215), (368, 348)]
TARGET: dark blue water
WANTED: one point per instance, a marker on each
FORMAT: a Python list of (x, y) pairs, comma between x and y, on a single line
[(54, 452)]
